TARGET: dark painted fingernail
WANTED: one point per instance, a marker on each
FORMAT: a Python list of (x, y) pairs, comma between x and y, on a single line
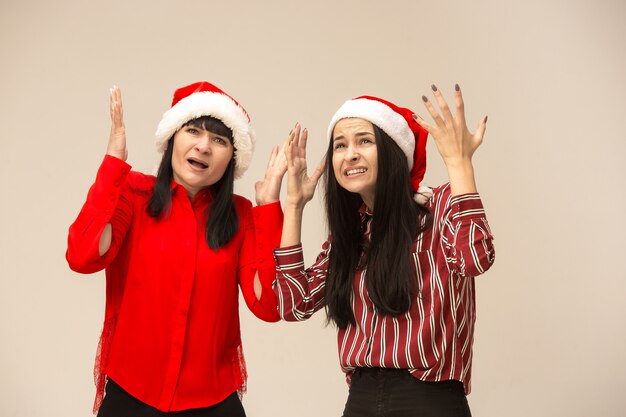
[(415, 116), (425, 99), (456, 87), (486, 117), (434, 87)]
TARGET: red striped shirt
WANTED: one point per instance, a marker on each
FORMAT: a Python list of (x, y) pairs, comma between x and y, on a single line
[(433, 340)]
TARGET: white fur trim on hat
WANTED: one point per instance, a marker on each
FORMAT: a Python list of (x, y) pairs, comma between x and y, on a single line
[(382, 116), (220, 106)]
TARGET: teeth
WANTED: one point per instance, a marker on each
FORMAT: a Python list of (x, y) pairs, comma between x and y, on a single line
[(355, 171), (198, 163)]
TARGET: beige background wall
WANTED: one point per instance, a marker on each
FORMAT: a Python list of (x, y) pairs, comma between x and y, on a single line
[(550, 74)]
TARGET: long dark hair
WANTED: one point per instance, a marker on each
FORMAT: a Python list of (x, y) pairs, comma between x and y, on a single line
[(397, 222), (222, 219)]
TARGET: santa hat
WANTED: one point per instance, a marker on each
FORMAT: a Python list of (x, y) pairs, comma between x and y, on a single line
[(205, 99), (398, 123)]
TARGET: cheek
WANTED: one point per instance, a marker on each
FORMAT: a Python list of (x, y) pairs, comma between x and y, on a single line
[(337, 165), (223, 158)]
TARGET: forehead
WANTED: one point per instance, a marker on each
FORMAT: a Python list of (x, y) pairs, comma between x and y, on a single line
[(351, 126)]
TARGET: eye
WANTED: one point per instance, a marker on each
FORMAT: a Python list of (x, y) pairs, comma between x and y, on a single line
[(192, 130), (339, 145), (219, 140), (366, 141)]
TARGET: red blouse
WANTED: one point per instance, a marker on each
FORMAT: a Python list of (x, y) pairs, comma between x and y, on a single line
[(171, 333)]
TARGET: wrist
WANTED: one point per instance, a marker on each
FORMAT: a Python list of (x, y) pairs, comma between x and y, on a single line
[(296, 206)]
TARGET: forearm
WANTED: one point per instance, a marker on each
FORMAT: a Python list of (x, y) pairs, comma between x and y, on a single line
[(292, 225), (299, 292), (91, 235)]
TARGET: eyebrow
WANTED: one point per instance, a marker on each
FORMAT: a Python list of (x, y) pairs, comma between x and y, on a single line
[(359, 134)]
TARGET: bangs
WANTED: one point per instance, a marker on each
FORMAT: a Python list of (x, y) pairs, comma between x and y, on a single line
[(213, 125)]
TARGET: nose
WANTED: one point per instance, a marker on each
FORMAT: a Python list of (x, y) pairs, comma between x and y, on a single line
[(203, 145), (351, 154)]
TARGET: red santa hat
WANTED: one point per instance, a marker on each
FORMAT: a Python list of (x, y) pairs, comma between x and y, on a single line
[(204, 99), (398, 123)]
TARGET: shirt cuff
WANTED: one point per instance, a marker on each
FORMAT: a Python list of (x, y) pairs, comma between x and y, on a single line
[(104, 194), (467, 206), (268, 218), (289, 259)]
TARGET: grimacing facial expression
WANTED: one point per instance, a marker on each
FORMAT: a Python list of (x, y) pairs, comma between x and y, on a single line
[(355, 157), (199, 158)]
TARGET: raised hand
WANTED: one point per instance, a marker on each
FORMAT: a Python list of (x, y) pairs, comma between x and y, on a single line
[(268, 189), (117, 137), (455, 142), (300, 187)]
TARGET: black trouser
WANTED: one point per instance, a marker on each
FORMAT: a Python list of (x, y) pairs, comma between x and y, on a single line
[(119, 403), (378, 392)]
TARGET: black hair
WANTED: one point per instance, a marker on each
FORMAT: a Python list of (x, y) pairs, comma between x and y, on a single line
[(222, 219), (396, 223)]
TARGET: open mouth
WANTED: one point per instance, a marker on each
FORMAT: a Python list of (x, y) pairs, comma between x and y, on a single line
[(197, 163), (355, 171)]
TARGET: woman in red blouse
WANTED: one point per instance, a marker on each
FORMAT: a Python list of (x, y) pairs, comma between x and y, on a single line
[(176, 249), (396, 275)]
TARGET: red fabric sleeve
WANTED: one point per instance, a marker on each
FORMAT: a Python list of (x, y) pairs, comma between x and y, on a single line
[(300, 292), (108, 201), (467, 237), (263, 229)]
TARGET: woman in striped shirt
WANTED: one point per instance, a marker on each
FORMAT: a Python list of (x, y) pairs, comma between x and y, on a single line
[(396, 275)]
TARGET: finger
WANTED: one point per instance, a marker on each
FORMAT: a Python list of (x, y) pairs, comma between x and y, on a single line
[(319, 170), (273, 154), (433, 113), (289, 149), (443, 105), (296, 133), (460, 105), (117, 117), (303, 141), (480, 131), (422, 122)]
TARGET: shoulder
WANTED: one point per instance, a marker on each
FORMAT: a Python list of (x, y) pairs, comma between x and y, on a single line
[(441, 196), (138, 181), (242, 203)]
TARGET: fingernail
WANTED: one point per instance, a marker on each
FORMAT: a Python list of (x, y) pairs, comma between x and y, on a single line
[(456, 87), (486, 118), (425, 99), (434, 87)]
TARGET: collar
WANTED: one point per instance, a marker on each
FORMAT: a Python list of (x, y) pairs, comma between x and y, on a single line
[(206, 194), (365, 211)]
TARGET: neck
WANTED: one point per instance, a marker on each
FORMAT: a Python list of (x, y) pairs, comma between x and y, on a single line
[(369, 201)]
